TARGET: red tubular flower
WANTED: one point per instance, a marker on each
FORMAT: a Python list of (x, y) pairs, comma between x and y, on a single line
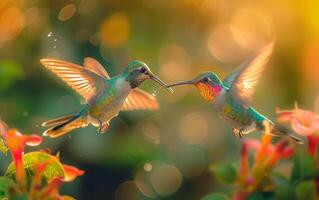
[(312, 145), (51, 189), (264, 149), (15, 143), (239, 195), (266, 156), (38, 170), (281, 150)]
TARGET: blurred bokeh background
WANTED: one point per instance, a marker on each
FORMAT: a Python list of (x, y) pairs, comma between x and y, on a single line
[(152, 155)]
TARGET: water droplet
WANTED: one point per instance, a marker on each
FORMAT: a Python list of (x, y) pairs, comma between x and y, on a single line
[(148, 167), (55, 39), (50, 34), (155, 93), (54, 47)]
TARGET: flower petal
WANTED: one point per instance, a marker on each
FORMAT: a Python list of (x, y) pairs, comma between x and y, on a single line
[(284, 116), (300, 128), (71, 173), (32, 140)]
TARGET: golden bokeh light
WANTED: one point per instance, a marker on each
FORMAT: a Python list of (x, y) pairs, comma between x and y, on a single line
[(223, 46), (310, 62), (11, 23), (115, 30), (144, 185), (151, 132), (175, 62), (127, 191), (193, 128), (87, 6), (174, 70), (31, 15), (67, 12), (251, 27), (148, 167), (166, 179)]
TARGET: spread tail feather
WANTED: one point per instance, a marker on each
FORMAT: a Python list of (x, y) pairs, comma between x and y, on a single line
[(64, 125), (57, 121), (279, 130)]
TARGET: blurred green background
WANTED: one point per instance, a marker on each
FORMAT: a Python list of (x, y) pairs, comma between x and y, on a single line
[(152, 155)]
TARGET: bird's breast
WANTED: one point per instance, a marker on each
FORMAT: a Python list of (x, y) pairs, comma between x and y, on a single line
[(110, 103)]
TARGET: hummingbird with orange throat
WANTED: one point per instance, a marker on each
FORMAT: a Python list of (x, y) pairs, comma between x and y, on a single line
[(232, 98), (104, 96)]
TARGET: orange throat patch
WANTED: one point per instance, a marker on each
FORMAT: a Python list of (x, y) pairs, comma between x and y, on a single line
[(206, 91)]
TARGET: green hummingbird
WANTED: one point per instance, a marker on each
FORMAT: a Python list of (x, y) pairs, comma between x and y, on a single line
[(104, 97), (232, 97)]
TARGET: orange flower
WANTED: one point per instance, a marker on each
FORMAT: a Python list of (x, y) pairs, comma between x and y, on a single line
[(50, 190), (15, 142), (266, 156), (71, 173), (38, 170)]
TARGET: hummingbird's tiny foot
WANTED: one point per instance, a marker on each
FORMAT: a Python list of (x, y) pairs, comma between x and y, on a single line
[(100, 126), (235, 132), (241, 133)]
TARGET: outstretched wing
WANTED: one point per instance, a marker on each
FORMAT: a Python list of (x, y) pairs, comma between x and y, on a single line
[(83, 80), (140, 100), (96, 67), (242, 82)]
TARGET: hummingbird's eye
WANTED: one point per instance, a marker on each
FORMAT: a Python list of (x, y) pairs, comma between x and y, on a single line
[(143, 70), (205, 79)]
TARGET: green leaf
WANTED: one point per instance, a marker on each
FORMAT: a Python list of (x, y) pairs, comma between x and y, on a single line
[(306, 190), (10, 72), (19, 197), (303, 167), (225, 172), (257, 196), (52, 170), (284, 190), (5, 185), (215, 196), (3, 147)]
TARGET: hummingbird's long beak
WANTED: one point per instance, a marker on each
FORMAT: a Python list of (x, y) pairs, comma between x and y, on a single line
[(161, 83), (190, 82)]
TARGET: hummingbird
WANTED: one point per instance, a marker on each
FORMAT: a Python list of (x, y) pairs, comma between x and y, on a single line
[(104, 96), (232, 98)]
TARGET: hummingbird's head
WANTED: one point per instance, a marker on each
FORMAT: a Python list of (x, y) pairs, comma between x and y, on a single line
[(207, 83), (137, 72)]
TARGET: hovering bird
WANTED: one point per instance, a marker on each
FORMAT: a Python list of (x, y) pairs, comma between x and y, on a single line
[(104, 97), (232, 97)]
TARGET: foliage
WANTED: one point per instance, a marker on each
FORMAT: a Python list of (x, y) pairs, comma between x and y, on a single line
[(260, 179), (35, 175)]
